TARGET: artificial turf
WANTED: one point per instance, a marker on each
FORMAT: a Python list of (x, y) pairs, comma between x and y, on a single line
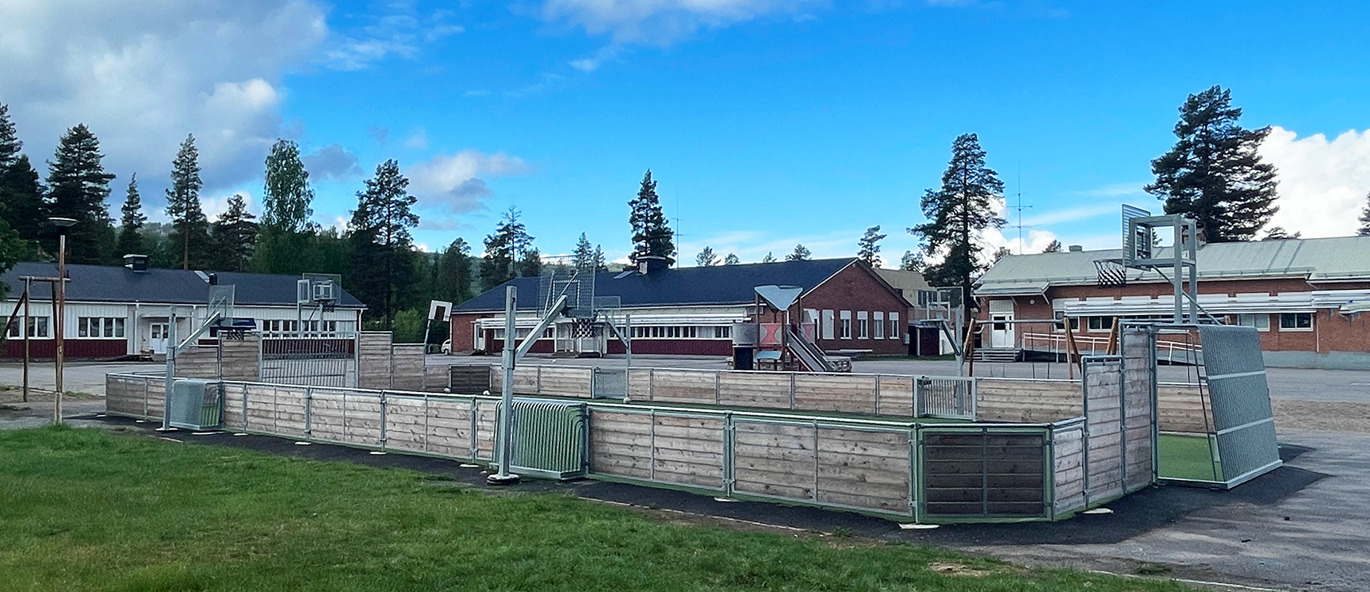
[(1184, 456), (84, 509)]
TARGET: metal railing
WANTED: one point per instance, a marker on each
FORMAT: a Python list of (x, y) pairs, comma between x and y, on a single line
[(1055, 343), (946, 397)]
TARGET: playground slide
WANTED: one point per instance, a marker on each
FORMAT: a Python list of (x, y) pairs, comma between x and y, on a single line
[(809, 354)]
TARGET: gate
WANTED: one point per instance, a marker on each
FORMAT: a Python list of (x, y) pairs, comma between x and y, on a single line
[(311, 361), (609, 383), (1242, 416), (946, 397)]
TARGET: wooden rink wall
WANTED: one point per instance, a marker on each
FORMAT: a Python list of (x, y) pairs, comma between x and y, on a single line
[(873, 466), (999, 400)]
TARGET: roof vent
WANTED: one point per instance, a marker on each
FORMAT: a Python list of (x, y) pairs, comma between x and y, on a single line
[(136, 263), (1076, 248), (649, 264)]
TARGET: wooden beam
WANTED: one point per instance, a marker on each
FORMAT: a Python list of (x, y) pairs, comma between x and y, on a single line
[(1113, 338), (1071, 351)]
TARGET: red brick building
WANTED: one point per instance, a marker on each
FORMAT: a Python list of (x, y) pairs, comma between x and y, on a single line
[(1307, 297), (844, 305)]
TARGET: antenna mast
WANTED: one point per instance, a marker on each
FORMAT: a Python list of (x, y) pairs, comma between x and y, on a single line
[(1019, 208)]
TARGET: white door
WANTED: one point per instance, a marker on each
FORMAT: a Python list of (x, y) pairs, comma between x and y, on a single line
[(157, 336), (478, 336), (1001, 330)]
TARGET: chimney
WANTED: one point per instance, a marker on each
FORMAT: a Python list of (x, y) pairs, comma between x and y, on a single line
[(136, 263), (1076, 248), (649, 264)]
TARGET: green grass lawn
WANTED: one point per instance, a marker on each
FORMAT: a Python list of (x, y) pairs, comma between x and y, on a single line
[(1187, 457), (90, 510)]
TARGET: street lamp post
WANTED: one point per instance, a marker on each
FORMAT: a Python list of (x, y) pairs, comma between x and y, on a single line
[(62, 224)]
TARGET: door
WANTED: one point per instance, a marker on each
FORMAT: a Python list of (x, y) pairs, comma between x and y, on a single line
[(157, 337), (1001, 330)]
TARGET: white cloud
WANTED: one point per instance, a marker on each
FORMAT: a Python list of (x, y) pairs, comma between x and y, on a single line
[(455, 184), (662, 22), (144, 73), (1322, 183), (593, 62), (401, 32), (417, 140)]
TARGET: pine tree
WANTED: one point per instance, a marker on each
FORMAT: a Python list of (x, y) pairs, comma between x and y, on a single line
[(731, 259), (1214, 173), (503, 250), (10, 145), (601, 264), (651, 234), (21, 202), (191, 228), (1053, 247), (1279, 233), (768, 258), (912, 261), (1365, 218), (957, 213), (869, 250), (235, 235), (584, 255), (530, 265), (132, 221), (78, 187), (382, 263), (1000, 253), (706, 257), (801, 253)]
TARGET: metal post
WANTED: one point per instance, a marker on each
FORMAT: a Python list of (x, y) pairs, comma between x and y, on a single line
[(170, 368), (59, 314), (503, 445), (24, 326), (628, 336)]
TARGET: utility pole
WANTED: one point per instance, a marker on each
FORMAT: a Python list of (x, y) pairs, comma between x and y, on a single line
[(62, 224)]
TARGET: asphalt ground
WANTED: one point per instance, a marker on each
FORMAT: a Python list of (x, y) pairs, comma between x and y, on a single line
[(1301, 527)]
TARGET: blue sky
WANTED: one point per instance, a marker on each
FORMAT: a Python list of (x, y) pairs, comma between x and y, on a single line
[(767, 123)]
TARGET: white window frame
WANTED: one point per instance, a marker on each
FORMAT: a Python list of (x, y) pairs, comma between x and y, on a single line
[(879, 324), (844, 324), (1254, 320), (828, 324), (1096, 323), (1295, 316), (863, 325), (895, 330), (39, 327)]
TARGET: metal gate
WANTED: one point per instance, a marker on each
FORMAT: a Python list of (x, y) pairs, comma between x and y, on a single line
[(610, 383), (946, 397), (1241, 402), (311, 361)]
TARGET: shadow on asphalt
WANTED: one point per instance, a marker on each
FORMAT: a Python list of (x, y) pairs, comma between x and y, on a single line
[(1140, 512)]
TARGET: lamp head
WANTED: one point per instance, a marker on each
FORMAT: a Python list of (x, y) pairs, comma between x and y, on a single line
[(62, 224)]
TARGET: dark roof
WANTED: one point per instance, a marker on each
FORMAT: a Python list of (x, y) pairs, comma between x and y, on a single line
[(97, 283), (719, 284)]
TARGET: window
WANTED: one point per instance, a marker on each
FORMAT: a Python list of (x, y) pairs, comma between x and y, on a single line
[(879, 325), (38, 327), (96, 327), (12, 326), (1260, 321), (827, 321), (1100, 323), (863, 325), (724, 332), (1060, 324), (1296, 321), (895, 329), (845, 324)]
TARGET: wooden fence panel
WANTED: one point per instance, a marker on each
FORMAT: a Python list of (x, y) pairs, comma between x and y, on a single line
[(408, 364), (838, 393), (373, 360), (1028, 401), (754, 389), (864, 469)]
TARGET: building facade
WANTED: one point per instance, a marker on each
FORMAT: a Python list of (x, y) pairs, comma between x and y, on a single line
[(112, 312), (1306, 297), (844, 306)]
